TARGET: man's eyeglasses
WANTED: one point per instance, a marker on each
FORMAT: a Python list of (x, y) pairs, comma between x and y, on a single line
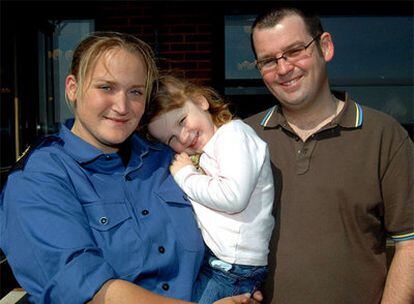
[(291, 56)]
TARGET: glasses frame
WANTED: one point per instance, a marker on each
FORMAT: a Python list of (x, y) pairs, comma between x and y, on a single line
[(283, 56)]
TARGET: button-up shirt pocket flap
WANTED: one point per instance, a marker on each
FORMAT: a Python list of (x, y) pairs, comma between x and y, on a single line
[(104, 216), (169, 192), (173, 197)]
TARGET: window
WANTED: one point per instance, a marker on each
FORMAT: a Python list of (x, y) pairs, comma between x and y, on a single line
[(55, 56), (373, 60)]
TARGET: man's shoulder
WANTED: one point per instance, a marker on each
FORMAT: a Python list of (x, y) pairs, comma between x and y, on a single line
[(380, 121), (377, 115), (255, 120)]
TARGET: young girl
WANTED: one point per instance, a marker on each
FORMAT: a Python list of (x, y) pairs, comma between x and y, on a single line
[(232, 193)]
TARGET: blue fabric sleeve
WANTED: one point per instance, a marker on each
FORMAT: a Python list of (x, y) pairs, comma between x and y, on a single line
[(47, 238)]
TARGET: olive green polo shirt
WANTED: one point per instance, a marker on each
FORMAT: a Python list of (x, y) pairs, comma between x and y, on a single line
[(342, 192)]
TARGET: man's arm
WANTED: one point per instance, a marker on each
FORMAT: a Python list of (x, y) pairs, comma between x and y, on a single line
[(399, 286)]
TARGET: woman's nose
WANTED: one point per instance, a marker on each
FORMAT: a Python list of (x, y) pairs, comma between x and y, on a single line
[(121, 103)]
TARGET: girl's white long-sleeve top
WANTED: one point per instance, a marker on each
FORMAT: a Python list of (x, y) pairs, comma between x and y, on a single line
[(233, 201)]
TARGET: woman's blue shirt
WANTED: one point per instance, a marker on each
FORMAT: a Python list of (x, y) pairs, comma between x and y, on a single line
[(73, 217)]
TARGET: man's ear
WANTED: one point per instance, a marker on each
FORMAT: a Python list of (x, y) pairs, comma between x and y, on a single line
[(202, 102), (71, 87), (327, 46)]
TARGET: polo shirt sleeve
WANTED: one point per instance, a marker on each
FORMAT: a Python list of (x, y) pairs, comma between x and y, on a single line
[(240, 156), (47, 239), (398, 190)]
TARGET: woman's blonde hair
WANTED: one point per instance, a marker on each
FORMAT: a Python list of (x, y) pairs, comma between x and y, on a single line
[(172, 94), (93, 47)]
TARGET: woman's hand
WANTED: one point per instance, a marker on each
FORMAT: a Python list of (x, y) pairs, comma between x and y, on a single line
[(242, 299), (180, 160)]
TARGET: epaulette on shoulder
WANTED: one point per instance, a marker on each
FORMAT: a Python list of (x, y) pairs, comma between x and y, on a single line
[(22, 159)]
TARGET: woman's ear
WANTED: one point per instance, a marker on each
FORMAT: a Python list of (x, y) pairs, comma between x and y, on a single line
[(71, 88), (327, 46), (202, 102)]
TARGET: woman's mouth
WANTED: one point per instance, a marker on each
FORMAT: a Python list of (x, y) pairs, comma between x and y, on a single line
[(117, 120)]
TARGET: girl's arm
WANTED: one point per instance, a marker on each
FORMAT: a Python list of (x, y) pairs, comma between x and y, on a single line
[(239, 155)]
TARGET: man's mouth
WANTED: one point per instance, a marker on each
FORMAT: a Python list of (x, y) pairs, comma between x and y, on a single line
[(290, 82)]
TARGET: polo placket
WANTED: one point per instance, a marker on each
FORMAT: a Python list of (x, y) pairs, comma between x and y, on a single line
[(303, 152)]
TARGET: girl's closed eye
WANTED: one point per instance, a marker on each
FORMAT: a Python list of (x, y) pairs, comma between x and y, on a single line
[(182, 120), (170, 140)]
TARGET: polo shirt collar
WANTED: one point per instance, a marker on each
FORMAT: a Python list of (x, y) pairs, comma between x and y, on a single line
[(351, 116)]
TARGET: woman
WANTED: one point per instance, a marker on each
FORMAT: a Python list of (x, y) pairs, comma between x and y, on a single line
[(92, 213)]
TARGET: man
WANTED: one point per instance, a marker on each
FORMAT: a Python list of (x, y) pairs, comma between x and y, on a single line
[(346, 175)]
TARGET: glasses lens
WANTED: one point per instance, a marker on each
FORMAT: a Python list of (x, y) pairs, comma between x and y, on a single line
[(295, 54)]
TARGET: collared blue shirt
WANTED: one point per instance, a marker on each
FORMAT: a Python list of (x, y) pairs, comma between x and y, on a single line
[(74, 217)]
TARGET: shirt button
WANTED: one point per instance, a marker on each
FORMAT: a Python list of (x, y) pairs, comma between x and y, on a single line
[(165, 286), (103, 220), (161, 249), (145, 212), (128, 178)]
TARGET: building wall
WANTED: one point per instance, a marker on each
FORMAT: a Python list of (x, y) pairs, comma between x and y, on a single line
[(181, 34)]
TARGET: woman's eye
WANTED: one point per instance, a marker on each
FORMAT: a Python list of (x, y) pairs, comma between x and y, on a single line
[(137, 92), (105, 87)]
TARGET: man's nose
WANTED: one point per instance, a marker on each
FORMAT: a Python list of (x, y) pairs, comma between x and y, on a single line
[(283, 66)]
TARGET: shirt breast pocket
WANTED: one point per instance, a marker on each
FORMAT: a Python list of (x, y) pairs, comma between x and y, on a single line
[(112, 228), (182, 218)]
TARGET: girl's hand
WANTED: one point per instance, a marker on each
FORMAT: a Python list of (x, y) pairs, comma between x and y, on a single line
[(180, 160)]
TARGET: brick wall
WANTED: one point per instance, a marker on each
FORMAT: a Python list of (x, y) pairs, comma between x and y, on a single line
[(180, 34)]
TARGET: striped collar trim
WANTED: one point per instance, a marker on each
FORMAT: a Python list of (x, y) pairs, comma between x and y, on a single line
[(267, 116), (351, 116), (403, 237), (359, 115)]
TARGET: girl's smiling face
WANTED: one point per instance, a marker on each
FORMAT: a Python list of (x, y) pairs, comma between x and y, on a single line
[(186, 129)]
